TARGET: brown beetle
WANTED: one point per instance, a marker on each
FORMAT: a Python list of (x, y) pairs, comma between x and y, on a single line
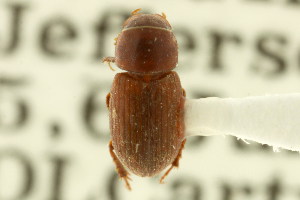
[(146, 103)]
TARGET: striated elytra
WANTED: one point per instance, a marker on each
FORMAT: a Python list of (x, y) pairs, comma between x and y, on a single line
[(146, 102)]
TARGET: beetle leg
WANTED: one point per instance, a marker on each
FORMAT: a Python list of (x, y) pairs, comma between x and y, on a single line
[(164, 15), (109, 60), (107, 99), (183, 92), (136, 11), (116, 39), (175, 162), (120, 168)]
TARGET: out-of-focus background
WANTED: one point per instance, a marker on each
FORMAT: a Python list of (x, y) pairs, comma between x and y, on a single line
[(54, 130)]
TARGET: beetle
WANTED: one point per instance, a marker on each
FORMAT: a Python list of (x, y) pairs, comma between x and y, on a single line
[(146, 103)]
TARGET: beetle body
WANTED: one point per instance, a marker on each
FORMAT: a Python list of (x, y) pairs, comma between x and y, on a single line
[(146, 103), (146, 122)]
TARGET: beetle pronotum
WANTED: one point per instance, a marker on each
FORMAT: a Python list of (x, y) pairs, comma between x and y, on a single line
[(146, 102)]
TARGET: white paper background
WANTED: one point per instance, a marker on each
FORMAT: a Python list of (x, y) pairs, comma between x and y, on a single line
[(73, 163)]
